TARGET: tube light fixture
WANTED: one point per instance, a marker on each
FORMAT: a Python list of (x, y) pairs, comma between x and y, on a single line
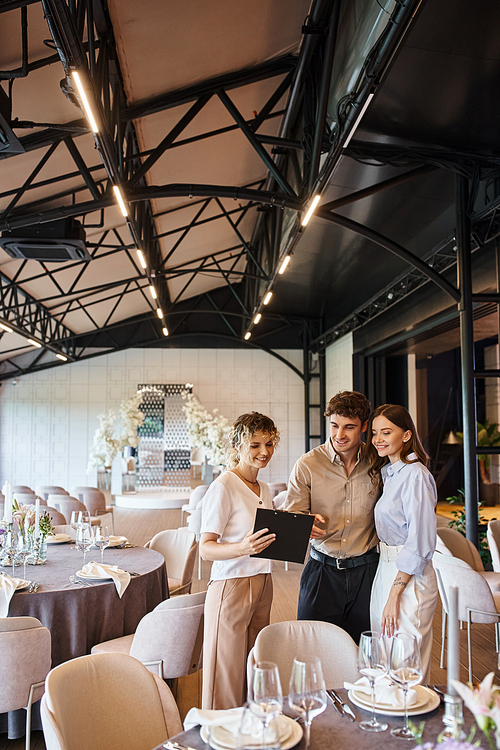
[(284, 264), (267, 298), (257, 318), (62, 357), (153, 292), (85, 102), (6, 328), (165, 333), (34, 343), (247, 335), (311, 209), (142, 260), (123, 207), (358, 120), (159, 312)]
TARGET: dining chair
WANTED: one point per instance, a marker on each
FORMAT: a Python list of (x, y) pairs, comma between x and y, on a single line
[(493, 537), (22, 488), (95, 502), (281, 642), (44, 490), (25, 658), (279, 499), (476, 601), (66, 504), (178, 547), (194, 498), (24, 498), (276, 487), (56, 518), (103, 701), (452, 542), (168, 640)]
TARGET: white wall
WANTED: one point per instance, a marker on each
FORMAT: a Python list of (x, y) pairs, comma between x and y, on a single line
[(48, 420), (338, 361)]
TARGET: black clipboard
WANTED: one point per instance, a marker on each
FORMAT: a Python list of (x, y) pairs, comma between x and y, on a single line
[(292, 534)]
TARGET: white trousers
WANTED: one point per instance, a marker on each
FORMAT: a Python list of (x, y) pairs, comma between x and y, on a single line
[(418, 603)]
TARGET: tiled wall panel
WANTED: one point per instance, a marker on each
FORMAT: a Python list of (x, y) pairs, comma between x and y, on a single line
[(47, 420)]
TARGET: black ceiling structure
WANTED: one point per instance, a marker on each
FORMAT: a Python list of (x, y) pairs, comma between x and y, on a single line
[(374, 105)]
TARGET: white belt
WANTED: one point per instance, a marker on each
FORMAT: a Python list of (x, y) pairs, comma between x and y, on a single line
[(389, 553)]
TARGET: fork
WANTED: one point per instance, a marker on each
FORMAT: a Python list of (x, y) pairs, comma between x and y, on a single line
[(74, 579)]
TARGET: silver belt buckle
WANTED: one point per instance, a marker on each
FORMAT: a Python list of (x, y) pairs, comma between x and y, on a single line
[(337, 559)]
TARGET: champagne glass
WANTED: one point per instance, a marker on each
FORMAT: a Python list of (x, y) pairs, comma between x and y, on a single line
[(372, 663), (83, 540), (307, 693), (405, 669), (23, 551), (101, 540), (265, 697)]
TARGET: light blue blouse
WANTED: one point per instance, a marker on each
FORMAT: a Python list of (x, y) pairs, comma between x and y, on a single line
[(405, 514)]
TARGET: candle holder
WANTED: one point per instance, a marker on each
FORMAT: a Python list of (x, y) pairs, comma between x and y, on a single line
[(36, 558), (8, 557), (453, 718)]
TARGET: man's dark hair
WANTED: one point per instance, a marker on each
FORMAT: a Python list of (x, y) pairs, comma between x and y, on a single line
[(349, 404)]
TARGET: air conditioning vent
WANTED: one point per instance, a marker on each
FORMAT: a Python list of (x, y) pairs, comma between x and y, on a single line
[(53, 242)]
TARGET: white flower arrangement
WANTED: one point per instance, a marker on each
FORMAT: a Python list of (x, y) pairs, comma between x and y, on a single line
[(106, 445), (132, 418), (205, 430)]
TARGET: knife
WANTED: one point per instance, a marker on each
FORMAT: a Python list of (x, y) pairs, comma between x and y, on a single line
[(338, 708), (345, 706)]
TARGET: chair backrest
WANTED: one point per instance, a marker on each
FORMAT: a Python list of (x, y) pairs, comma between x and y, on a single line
[(44, 490), (22, 488), (279, 499), (493, 537), (276, 487), (172, 634), (93, 499), (459, 546), (473, 590), (56, 517), (197, 494), (283, 641), (194, 519), (107, 700), (24, 498), (66, 504), (25, 658), (175, 546)]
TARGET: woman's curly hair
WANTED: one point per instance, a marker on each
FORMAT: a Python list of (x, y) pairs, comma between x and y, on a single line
[(242, 431)]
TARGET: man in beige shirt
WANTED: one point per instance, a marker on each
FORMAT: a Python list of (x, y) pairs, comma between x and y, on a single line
[(332, 482)]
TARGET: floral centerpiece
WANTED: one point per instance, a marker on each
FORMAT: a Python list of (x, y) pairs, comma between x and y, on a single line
[(484, 702), (105, 446), (24, 516), (132, 418), (106, 442), (206, 430)]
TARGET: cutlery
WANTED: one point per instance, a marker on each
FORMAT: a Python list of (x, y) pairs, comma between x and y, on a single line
[(345, 706), (31, 587), (335, 704), (35, 589), (74, 579), (171, 745)]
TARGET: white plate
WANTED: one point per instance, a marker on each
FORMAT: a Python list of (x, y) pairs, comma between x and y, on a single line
[(427, 700), (58, 539), (292, 739), (226, 739)]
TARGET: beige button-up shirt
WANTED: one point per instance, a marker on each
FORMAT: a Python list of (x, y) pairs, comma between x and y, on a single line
[(319, 484)]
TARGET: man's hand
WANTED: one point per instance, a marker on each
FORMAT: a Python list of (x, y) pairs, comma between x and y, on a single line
[(316, 532)]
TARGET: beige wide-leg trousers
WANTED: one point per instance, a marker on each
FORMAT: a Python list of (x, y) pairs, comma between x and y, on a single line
[(236, 610)]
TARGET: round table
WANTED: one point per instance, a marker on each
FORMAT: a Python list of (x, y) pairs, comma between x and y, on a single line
[(79, 617)]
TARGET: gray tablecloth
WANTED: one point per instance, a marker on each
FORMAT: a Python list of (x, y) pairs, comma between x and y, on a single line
[(79, 617)]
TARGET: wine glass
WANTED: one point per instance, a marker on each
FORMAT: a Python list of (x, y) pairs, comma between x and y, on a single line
[(307, 693), (84, 540), (372, 663), (265, 697), (23, 551), (405, 669), (75, 520), (101, 540)]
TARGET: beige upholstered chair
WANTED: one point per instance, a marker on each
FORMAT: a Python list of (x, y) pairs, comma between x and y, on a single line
[(493, 537), (56, 518), (95, 502), (276, 487), (25, 658), (452, 542), (44, 490), (283, 641), (168, 640), (102, 701), (24, 498), (178, 547), (22, 488), (194, 498), (476, 601), (279, 499), (66, 504)]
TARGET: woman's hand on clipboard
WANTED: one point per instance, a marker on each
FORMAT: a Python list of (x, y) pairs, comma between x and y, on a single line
[(255, 542), (316, 532)]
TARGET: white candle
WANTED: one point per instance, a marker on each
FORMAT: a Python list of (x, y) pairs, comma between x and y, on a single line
[(7, 491), (453, 642), (37, 518)]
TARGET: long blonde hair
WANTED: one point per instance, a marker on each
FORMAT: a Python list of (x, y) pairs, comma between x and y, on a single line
[(242, 431), (400, 417)]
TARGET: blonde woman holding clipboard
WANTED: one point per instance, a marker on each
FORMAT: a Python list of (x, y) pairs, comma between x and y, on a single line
[(240, 590)]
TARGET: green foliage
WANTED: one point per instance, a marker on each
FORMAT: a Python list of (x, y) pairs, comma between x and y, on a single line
[(487, 436), (458, 523)]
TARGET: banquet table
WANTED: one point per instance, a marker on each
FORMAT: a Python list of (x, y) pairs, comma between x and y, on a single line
[(329, 729), (78, 616)]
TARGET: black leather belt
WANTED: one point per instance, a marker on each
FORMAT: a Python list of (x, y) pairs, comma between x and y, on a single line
[(343, 563)]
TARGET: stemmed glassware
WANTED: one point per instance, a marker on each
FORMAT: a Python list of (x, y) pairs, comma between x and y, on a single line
[(405, 669), (307, 692), (23, 551), (372, 663), (265, 697), (75, 520), (101, 540), (84, 539)]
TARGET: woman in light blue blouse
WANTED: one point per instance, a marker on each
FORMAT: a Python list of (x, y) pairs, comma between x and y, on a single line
[(404, 592)]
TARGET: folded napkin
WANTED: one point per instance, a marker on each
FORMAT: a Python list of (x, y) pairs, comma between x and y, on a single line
[(231, 721), (115, 541), (120, 577), (65, 529), (7, 587), (385, 692)]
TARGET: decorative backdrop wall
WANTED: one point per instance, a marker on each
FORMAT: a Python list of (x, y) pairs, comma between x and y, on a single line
[(47, 420)]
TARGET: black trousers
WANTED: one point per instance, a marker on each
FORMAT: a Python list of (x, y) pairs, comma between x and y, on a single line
[(341, 597)]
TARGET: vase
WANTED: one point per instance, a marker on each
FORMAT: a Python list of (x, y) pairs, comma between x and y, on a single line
[(41, 557)]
